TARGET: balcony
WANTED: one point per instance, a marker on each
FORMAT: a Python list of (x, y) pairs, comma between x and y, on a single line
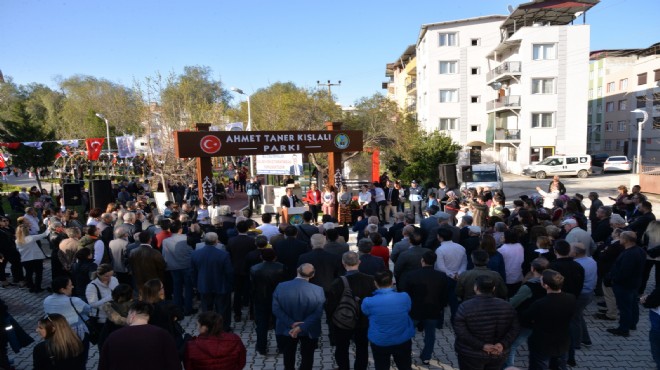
[(411, 85), (504, 102), (411, 108), (506, 68), (507, 135)]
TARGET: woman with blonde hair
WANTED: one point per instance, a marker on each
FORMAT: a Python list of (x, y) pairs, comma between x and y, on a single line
[(68, 248), (32, 256), (61, 348)]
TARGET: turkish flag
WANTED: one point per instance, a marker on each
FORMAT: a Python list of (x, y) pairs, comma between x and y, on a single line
[(94, 147), (2, 161)]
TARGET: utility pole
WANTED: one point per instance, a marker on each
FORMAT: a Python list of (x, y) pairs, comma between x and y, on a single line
[(329, 86)]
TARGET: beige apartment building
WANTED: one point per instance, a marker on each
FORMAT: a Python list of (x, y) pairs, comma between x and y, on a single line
[(621, 80)]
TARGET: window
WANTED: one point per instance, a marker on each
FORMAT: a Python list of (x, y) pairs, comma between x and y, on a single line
[(543, 51), (656, 75), (620, 144), (474, 128), (591, 93), (623, 84), (622, 126), (474, 70), (656, 100), (623, 105), (448, 96), (475, 99), (591, 74), (609, 126), (448, 67), (609, 106), (608, 144), (475, 42), (601, 72), (540, 153), (599, 106), (513, 154), (641, 79), (542, 120), (610, 87), (448, 39), (641, 101), (599, 93), (448, 124), (544, 86)]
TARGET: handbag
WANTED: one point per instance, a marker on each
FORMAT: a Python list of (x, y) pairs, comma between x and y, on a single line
[(93, 332)]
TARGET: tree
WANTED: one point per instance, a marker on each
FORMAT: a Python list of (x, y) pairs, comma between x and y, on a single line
[(427, 153), (25, 127)]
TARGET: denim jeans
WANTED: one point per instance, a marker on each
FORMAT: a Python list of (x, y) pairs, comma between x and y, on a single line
[(626, 301), (654, 337), (430, 327), (452, 299), (182, 286), (522, 338)]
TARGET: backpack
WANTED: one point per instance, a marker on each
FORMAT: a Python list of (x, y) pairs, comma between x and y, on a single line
[(347, 313)]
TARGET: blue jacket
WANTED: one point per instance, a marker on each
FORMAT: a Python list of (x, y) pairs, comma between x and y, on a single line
[(212, 270), (389, 322), (298, 300)]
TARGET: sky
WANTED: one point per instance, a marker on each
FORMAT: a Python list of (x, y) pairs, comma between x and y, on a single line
[(251, 44)]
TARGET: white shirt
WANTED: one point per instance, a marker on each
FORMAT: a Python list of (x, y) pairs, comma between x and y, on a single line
[(513, 254), (452, 259), (364, 198), (268, 230), (106, 295)]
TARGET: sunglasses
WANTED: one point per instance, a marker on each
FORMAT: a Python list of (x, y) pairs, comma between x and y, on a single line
[(48, 318)]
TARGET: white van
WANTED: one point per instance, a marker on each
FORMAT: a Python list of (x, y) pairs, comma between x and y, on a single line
[(560, 165), (482, 175)]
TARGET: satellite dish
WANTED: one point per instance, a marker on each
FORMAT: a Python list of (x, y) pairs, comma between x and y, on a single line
[(510, 9)]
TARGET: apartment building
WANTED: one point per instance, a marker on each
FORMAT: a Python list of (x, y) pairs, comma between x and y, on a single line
[(621, 80), (402, 84), (451, 81), (538, 75)]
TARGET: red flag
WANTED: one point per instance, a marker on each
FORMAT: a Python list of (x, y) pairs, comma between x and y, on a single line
[(11, 145), (2, 161), (94, 147)]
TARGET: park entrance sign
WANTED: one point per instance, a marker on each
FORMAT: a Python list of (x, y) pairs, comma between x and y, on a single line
[(204, 144)]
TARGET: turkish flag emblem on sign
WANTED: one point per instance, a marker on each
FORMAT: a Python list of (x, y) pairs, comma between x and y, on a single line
[(210, 144), (94, 147)]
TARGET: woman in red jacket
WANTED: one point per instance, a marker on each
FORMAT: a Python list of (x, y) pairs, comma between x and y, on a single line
[(314, 201), (213, 349)]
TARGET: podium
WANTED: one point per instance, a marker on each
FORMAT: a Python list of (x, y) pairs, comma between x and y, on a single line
[(293, 215)]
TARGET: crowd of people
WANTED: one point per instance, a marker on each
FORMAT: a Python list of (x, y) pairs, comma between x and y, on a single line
[(125, 277)]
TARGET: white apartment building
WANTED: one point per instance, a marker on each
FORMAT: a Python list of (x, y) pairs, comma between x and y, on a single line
[(538, 75), (451, 80)]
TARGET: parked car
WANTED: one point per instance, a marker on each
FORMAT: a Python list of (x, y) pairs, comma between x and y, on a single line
[(561, 165), (618, 163), (598, 159)]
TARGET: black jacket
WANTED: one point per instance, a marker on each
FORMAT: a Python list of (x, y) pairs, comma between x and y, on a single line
[(288, 251), (601, 230), (370, 265), (395, 232), (628, 268), (264, 277), (327, 267), (549, 318), (238, 248), (572, 272), (362, 286), (408, 261), (427, 289)]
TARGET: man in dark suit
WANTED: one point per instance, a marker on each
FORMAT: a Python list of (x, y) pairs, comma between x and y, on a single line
[(333, 245), (410, 259), (392, 199), (213, 271), (238, 247), (289, 250), (306, 229), (396, 226), (289, 200), (427, 289), (296, 168), (298, 307), (264, 278), (429, 226), (362, 286), (327, 267), (369, 264), (572, 271), (408, 219)]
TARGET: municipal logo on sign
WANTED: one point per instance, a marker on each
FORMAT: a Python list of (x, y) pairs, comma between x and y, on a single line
[(210, 144), (342, 141)]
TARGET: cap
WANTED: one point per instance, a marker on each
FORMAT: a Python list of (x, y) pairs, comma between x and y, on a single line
[(474, 229), (569, 221), (414, 182)]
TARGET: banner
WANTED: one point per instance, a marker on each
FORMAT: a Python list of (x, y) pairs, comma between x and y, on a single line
[(33, 144), (280, 164), (126, 146), (71, 143), (94, 147)]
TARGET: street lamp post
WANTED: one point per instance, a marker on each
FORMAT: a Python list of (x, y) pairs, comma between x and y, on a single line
[(639, 137), (107, 134), (249, 124)]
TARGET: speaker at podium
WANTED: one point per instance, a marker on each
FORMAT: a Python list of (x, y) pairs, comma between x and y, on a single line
[(293, 215)]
